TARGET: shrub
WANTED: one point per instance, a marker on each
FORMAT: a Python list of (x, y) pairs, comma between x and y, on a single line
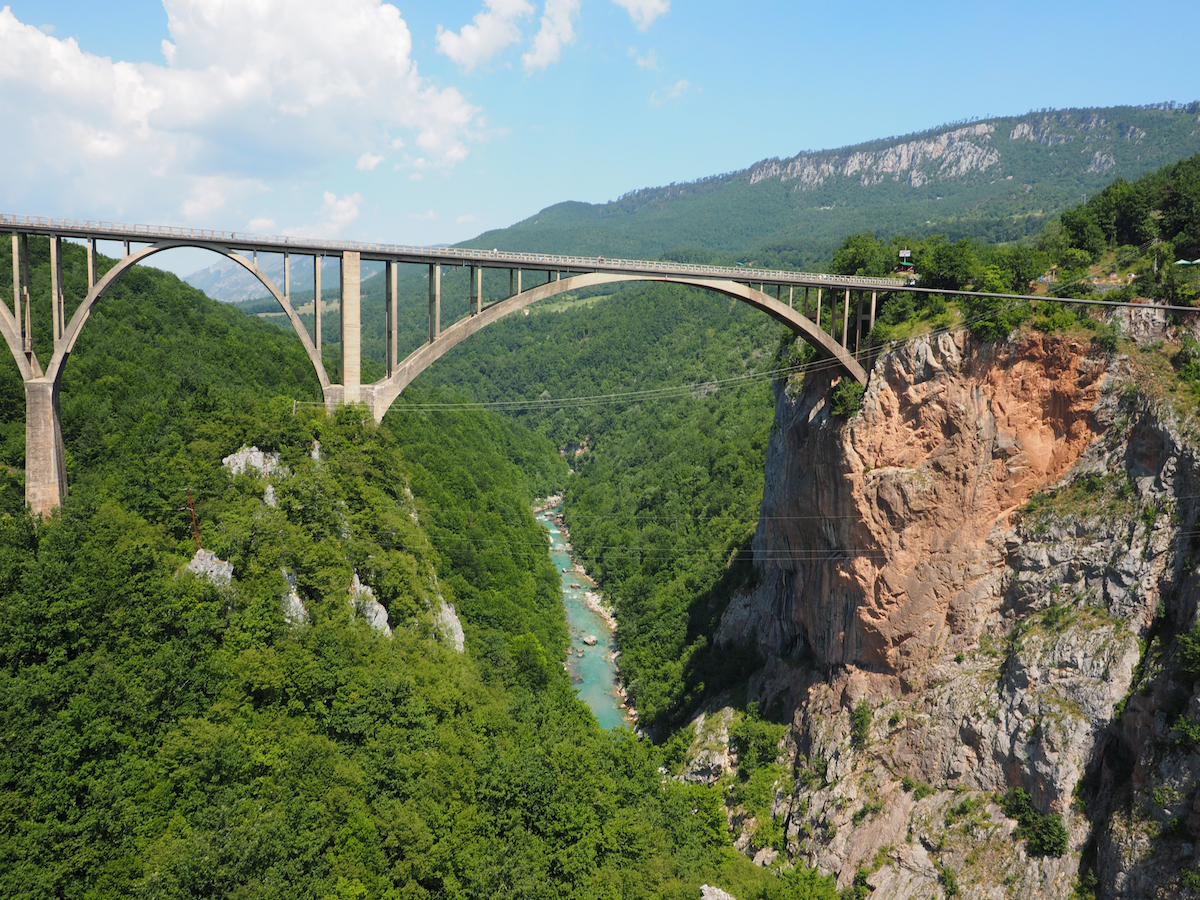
[(1044, 833), (846, 398), (860, 724), (1187, 360), (1106, 337)]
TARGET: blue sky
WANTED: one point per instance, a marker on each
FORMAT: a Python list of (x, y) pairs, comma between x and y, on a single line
[(432, 122)]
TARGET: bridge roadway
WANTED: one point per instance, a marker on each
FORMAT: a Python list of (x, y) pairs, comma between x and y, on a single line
[(45, 486)]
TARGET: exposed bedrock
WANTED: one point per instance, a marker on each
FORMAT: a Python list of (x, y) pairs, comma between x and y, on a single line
[(982, 555)]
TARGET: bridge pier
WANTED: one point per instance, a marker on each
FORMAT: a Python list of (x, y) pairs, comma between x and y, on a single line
[(435, 302), (351, 327), (45, 459)]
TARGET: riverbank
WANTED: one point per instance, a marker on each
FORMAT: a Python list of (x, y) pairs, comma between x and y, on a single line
[(592, 659)]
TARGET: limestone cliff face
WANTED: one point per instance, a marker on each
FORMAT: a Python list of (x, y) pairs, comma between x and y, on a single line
[(878, 540), (983, 555)]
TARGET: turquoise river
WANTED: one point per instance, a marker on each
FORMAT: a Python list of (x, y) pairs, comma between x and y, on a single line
[(592, 669)]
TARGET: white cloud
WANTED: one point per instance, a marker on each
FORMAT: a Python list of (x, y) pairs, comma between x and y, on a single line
[(649, 61), (261, 226), (556, 32), (336, 213), (643, 12), (423, 217), (251, 93), (367, 162), (489, 33), (47, 29), (462, 220), (678, 89)]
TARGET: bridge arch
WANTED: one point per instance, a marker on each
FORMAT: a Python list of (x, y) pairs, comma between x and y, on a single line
[(45, 459), (382, 394), (63, 347)]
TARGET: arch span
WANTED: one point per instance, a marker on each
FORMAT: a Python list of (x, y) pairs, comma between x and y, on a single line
[(45, 459), (64, 346), (383, 393)]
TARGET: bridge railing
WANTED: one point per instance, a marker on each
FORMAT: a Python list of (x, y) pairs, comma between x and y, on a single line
[(120, 231)]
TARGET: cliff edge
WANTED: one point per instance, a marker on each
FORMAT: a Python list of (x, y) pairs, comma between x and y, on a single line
[(973, 586)]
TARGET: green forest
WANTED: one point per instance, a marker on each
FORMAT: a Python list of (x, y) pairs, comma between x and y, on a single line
[(167, 735)]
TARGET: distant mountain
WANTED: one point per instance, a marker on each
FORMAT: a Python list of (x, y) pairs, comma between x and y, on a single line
[(999, 178), (226, 280)]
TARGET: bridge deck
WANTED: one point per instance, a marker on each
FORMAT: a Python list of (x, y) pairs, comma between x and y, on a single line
[(449, 256)]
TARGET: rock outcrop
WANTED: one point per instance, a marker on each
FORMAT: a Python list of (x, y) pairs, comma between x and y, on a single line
[(956, 589), (206, 564)]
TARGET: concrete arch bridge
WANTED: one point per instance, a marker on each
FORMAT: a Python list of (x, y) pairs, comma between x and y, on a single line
[(531, 277)]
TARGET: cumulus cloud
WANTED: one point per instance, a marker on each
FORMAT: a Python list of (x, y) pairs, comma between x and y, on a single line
[(250, 94), (643, 12), (335, 214), (367, 162), (556, 32), (489, 33)]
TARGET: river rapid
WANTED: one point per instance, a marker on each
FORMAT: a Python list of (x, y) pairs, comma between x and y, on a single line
[(593, 669)]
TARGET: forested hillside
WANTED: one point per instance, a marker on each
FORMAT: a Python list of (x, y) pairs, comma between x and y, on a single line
[(168, 735), (998, 179)]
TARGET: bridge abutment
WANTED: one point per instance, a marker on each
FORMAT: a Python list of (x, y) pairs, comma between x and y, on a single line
[(45, 459)]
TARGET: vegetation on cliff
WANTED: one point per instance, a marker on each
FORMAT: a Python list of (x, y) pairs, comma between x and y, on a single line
[(169, 736)]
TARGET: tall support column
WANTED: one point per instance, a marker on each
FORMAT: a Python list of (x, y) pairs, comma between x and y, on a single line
[(791, 296), (28, 348), (476, 289), (391, 289), (871, 324), (858, 324), (45, 462), (127, 248), (287, 278), (91, 262), (845, 317), (317, 303), (56, 287), (16, 261), (518, 281), (435, 302), (806, 300), (818, 319), (351, 327), (511, 281)]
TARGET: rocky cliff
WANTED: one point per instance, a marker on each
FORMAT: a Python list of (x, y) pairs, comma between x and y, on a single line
[(975, 585)]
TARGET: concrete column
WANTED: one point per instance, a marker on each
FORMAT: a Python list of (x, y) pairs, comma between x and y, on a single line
[(391, 289), (858, 320), (127, 248), (317, 303), (351, 327), (806, 301), (45, 462), (287, 278), (518, 281), (791, 296), (16, 261), (511, 281), (476, 289), (91, 262), (435, 302), (25, 293), (56, 309), (845, 317), (818, 319), (871, 324)]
